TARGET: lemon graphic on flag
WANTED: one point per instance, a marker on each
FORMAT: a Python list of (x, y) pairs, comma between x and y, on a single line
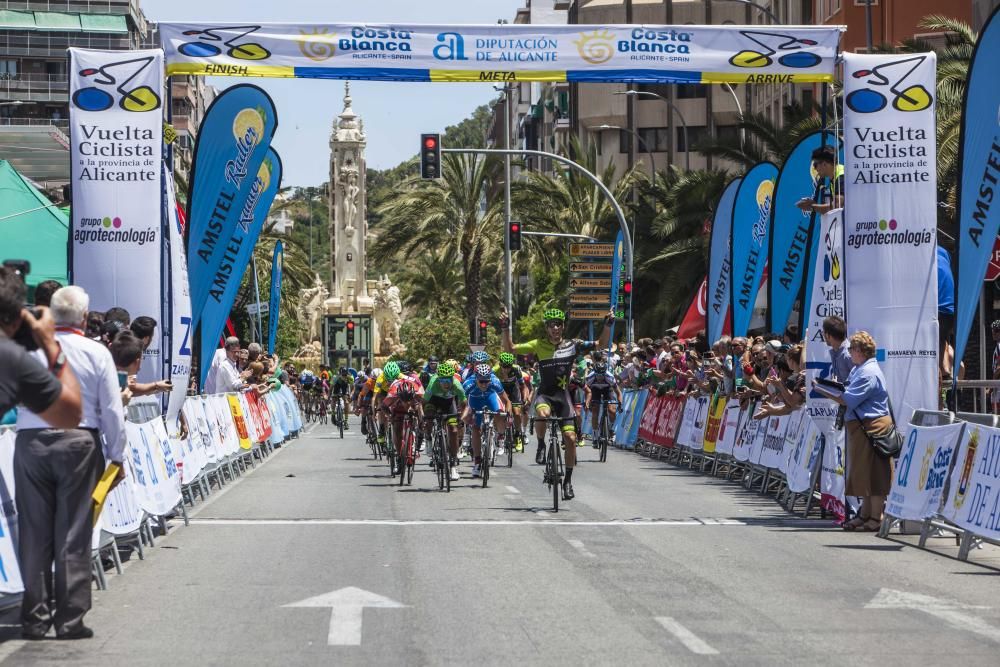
[(264, 174), (247, 119)]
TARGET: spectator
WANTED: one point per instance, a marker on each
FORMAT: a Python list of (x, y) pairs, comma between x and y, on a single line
[(868, 414), (95, 324), (119, 315), (791, 336), (126, 351), (110, 329), (224, 375), (44, 291), (52, 393), (835, 334), (824, 162), (946, 314), (253, 352), (144, 328), (55, 471)]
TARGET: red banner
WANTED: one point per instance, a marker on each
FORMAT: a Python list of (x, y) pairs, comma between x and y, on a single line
[(660, 420)]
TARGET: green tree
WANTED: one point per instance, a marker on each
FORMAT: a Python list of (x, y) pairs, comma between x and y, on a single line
[(763, 139)]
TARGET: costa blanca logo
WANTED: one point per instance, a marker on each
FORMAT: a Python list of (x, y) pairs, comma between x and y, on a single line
[(319, 44), (597, 47), (890, 79), (209, 43), (118, 76), (770, 44)]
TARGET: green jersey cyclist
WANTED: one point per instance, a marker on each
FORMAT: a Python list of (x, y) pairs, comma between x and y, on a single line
[(556, 357)]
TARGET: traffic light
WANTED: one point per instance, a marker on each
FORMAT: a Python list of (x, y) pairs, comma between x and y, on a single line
[(482, 331), (430, 155), (349, 328), (627, 287), (514, 231)]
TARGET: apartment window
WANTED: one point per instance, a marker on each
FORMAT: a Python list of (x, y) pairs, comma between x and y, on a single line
[(8, 69), (661, 89), (728, 134), (654, 139), (697, 134), (624, 141), (807, 98), (691, 91)]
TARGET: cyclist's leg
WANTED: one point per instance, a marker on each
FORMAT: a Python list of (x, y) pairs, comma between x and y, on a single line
[(542, 410), (397, 434)]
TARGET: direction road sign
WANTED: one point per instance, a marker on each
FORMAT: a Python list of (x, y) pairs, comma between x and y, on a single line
[(598, 297), (591, 249), (590, 283), (591, 314), (590, 267), (264, 308)]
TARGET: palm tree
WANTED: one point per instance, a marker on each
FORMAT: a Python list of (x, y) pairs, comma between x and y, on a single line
[(457, 211), (766, 139), (671, 270)]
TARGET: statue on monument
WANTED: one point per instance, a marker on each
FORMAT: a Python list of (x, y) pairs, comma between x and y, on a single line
[(388, 316), (349, 196), (311, 309)]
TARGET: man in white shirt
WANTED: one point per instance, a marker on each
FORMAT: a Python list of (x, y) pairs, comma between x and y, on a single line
[(224, 375), (55, 473)]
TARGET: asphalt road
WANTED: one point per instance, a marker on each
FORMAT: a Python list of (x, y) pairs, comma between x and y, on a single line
[(648, 565)]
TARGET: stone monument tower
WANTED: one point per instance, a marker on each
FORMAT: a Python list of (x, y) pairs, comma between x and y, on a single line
[(349, 291)]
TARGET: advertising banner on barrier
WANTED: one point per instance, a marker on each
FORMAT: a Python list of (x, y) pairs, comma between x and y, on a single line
[(827, 289), (236, 410), (401, 52), (157, 482), (249, 223), (181, 340), (831, 479), (696, 436), (791, 227), (804, 457), (116, 160), (973, 500), (751, 220), (979, 159), (121, 514), (10, 573), (920, 474), (689, 411), (792, 429), (890, 214), (274, 305), (669, 421), (729, 428), (231, 147), (629, 418), (772, 445), (713, 424), (720, 262)]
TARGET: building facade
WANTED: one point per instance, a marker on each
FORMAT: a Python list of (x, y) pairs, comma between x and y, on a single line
[(892, 21)]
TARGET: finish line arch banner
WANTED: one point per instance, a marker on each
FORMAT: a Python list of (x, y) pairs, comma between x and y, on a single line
[(608, 53), (890, 220)]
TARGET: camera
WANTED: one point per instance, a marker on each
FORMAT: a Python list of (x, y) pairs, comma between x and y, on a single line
[(23, 336)]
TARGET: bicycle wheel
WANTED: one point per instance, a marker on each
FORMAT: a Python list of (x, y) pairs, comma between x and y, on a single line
[(509, 439), (553, 471), (340, 417), (441, 458), (486, 450), (605, 437)]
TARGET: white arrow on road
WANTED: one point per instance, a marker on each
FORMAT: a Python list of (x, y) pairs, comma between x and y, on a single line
[(347, 608), (947, 610)]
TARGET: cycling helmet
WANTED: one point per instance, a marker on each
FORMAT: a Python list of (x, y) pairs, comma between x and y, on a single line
[(554, 314), (480, 357), (343, 371), (391, 371), (404, 366), (506, 359), (453, 363), (600, 368), (483, 371), (432, 359), (446, 370), (405, 391), (468, 358)]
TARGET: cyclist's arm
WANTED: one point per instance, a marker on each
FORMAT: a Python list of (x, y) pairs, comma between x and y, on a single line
[(602, 342), (618, 392)]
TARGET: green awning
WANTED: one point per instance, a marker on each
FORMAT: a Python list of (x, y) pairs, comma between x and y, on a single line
[(31, 228), (57, 21), (12, 20), (103, 23)]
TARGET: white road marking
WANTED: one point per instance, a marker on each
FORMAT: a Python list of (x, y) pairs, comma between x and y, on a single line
[(578, 545), (465, 522), (693, 642), (944, 609), (511, 489), (347, 608), (11, 647)]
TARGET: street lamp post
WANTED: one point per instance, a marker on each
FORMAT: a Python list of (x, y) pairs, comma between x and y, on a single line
[(750, 3), (671, 105)]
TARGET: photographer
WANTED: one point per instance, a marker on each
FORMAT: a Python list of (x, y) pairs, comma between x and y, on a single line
[(53, 394)]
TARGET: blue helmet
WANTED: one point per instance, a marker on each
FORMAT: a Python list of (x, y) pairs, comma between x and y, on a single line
[(483, 371), (480, 357)]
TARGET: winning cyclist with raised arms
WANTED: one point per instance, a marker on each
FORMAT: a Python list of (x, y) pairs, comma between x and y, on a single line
[(556, 357)]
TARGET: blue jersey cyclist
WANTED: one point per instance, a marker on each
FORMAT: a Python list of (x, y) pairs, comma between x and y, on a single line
[(483, 391), (556, 356), (599, 387)]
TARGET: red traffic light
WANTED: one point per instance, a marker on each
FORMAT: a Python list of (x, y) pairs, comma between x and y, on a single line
[(483, 324), (515, 227), (430, 143), (350, 325), (627, 287)]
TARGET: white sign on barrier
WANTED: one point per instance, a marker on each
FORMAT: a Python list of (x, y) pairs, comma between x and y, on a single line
[(773, 443), (121, 514), (747, 434), (804, 457), (973, 500), (729, 428), (832, 478), (920, 473)]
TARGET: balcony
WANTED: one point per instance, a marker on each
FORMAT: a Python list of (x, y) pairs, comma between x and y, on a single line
[(54, 45), (34, 87)]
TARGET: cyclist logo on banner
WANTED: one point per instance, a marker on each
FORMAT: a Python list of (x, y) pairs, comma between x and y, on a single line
[(207, 43), (772, 43), (891, 75), (119, 75)]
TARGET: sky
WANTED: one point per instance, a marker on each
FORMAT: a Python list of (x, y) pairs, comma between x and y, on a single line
[(394, 113)]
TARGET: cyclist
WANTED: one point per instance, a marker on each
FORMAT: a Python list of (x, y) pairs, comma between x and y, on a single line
[(512, 378), (429, 371), (484, 391), (324, 373), (359, 385), (380, 387), (598, 386), (444, 395), (556, 356), (405, 393), (341, 388)]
